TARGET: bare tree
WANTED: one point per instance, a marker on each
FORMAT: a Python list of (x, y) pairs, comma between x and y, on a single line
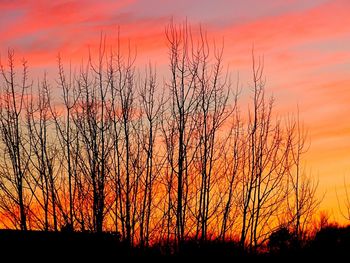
[(301, 201), (212, 113), (92, 122), (151, 108), (14, 167), (67, 137), (169, 139), (264, 171), (184, 87), (346, 203), (122, 113), (233, 161), (43, 153)]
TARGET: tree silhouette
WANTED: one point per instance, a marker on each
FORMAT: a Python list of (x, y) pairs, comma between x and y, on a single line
[(15, 161), (154, 162)]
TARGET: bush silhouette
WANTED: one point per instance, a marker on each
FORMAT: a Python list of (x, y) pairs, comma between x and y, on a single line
[(332, 240), (281, 241)]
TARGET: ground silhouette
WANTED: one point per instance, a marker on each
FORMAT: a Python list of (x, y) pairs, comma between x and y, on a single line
[(330, 241)]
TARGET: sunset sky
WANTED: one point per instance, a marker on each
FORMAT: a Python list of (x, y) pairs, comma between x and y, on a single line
[(305, 43)]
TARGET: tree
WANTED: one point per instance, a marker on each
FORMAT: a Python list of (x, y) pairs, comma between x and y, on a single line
[(121, 73), (151, 109), (212, 112), (93, 123), (43, 153), (14, 166), (183, 99), (301, 201), (264, 171), (346, 203), (67, 138), (233, 160)]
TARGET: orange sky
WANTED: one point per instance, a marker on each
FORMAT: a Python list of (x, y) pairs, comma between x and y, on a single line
[(306, 45)]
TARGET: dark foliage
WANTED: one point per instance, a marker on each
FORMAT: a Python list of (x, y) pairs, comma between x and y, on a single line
[(331, 241), (281, 241), (40, 245)]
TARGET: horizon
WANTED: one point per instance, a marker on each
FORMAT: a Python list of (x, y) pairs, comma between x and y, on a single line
[(306, 58)]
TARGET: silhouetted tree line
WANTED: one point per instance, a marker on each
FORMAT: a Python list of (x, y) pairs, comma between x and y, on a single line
[(155, 161), (328, 242)]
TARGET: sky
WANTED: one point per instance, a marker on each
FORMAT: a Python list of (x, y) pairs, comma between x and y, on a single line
[(305, 44)]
